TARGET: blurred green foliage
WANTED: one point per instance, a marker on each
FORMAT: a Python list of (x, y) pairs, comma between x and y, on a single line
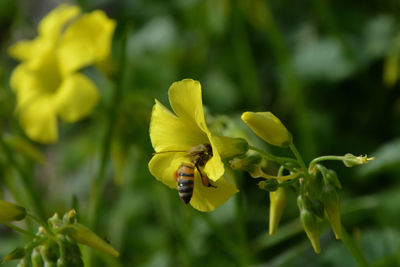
[(319, 65)]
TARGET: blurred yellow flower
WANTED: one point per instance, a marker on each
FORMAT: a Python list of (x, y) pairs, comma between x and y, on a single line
[(181, 132), (47, 82)]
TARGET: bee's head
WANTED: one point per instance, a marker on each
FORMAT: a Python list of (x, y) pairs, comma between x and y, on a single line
[(200, 154)]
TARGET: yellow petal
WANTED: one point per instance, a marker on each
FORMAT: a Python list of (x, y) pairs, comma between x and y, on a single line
[(168, 132), (209, 198), (53, 23), (185, 99), (24, 50), (38, 119), (86, 41), (76, 97), (163, 167), (214, 167), (26, 85)]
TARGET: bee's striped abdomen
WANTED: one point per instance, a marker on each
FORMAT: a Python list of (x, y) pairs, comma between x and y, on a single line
[(185, 181)]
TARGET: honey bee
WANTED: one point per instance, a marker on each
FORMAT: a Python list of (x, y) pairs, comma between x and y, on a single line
[(184, 175)]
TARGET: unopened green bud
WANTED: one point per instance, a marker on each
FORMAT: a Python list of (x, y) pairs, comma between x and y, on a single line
[(62, 263), (23, 263), (251, 164), (245, 163), (317, 208), (17, 253), (332, 208), (268, 127), (70, 254), (10, 212), (85, 236), (310, 224), (269, 185), (36, 258), (49, 252), (229, 147), (55, 221), (329, 176), (350, 160), (278, 201), (70, 217)]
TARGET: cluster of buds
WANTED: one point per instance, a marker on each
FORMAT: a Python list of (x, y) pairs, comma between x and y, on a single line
[(315, 187), (57, 244)]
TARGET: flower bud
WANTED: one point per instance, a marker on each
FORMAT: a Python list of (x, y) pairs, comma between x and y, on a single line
[(310, 224), (350, 160), (17, 253), (245, 163), (62, 263), (278, 201), (250, 163), (23, 263), (270, 185), (49, 252), (332, 208), (70, 217), (330, 176), (229, 147), (268, 127), (85, 236), (317, 208), (70, 254), (55, 221), (10, 212), (36, 258)]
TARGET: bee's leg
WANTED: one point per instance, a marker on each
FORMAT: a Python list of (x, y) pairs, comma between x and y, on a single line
[(176, 175), (204, 179)]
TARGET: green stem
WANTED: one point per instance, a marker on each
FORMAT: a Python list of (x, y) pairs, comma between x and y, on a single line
[(298, 157), (18, 229), (354, 249), (269, 156), (280, 171), (34, 200), (323, 158)]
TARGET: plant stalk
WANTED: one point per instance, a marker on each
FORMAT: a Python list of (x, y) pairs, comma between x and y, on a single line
[(354, 249)]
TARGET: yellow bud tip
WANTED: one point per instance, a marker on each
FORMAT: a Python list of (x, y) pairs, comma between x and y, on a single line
[(278, 201), (271, 230), (316, 247)]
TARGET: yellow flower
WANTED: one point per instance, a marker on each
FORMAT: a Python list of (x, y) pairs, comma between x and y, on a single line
[(47, 82), (181, 132)]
